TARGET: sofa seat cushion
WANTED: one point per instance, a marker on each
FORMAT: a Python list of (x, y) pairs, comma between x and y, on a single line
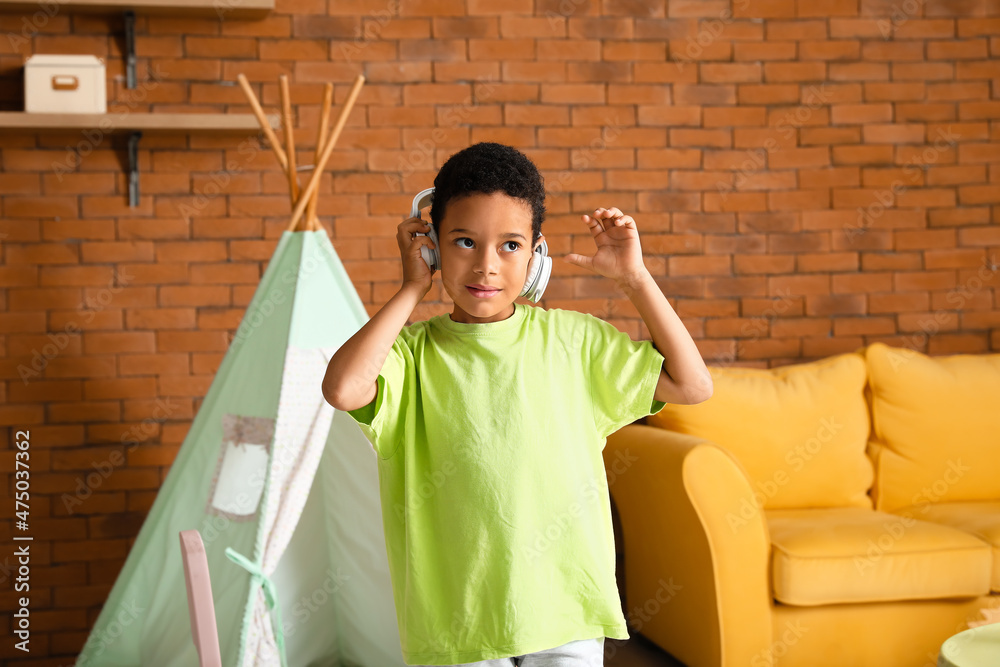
[(981, 519), (849, 554), (800, 431)]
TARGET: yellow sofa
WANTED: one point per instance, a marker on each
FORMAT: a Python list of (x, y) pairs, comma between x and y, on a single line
[(843, 512)]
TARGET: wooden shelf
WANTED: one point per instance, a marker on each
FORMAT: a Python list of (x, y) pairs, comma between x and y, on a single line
[(135, 124), (133, 121), (222, 9)]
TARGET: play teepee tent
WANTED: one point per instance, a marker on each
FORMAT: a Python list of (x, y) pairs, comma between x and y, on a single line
[(282, 488)]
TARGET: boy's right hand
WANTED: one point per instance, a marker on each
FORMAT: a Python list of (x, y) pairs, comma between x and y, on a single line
[(415, 269)]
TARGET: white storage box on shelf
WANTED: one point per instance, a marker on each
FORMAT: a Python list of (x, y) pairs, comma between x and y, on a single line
[(56, 83)]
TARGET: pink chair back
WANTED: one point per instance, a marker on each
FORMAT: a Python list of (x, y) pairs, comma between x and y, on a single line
[(199, 592)]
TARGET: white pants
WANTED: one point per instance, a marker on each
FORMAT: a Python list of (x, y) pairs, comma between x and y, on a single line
[(579, 653)]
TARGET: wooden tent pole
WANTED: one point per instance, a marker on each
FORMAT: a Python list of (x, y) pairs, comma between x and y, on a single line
[(327, 151), (324, 124), (262, 119), (286, 122)]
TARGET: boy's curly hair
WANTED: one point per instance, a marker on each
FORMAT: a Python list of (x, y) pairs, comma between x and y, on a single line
[(488, 167)]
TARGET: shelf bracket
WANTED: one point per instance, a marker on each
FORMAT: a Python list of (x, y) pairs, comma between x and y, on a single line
[(133, 168), (130, 77)]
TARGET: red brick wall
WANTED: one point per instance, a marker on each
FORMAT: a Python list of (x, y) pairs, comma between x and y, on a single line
[(807, 177)]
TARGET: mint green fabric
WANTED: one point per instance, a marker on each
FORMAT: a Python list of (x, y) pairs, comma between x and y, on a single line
[(494, 494)]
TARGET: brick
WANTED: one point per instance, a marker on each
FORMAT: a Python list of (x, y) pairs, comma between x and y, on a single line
[(963, 50), (703, 138), (192, 341), (830, 50), (811, 30), (760, 51), (730, 72), (829, 177), (859, 71), (768, 93), (124, 251), (153, 364), (799, 157), (926, 71), (734, 117), (792, 71), (859, 114), (758, 9), (893, 133), (685, 94), (906, 91), (763, 264), (669, 115), (894, 51), (110, 343)]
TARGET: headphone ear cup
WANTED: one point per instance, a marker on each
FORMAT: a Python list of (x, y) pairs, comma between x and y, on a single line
[(539, 271), (433, 256), (430, 255), (533, 266)]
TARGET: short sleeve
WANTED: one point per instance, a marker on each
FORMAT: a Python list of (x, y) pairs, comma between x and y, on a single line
[(623, 376), (382, 419)]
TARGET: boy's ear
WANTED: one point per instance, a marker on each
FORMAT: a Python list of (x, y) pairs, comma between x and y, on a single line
[(538, 243)]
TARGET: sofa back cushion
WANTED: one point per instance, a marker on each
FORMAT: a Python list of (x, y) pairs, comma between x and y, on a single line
[(800, 431), (935, 426)]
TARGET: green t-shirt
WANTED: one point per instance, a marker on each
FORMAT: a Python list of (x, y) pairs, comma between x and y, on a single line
[(494, 494)]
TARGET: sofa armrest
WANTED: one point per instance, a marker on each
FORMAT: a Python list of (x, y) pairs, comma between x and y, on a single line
[(697, 550)]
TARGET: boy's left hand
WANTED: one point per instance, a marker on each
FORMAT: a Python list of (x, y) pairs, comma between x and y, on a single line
[(619, 255)]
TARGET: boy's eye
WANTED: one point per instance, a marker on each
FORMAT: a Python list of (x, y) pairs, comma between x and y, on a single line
[(466, 238)]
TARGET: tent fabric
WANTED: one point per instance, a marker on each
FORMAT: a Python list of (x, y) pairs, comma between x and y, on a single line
[(317, 532)]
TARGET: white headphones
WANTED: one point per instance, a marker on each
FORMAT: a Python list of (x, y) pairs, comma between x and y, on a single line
[(539, 266)]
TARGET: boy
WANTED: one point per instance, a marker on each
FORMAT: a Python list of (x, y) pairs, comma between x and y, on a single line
[(489, 424)]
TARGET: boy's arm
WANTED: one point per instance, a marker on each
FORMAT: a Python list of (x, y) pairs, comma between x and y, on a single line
[(685, 379), (351, 375)]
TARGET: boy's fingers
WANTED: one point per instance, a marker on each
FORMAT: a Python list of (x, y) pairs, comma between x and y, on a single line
[(595, 225)]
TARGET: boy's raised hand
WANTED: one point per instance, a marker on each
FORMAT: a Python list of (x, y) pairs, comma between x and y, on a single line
[(619, 255), (415, 269)]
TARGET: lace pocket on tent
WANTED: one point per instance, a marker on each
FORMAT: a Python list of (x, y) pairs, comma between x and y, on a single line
[(242, 468)]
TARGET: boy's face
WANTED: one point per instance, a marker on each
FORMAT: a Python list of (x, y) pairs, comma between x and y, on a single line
[(476, 249)]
